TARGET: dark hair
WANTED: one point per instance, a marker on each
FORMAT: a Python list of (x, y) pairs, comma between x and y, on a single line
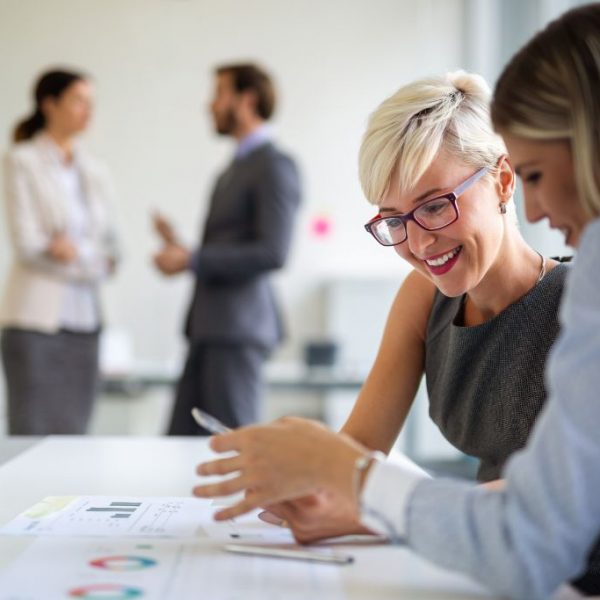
[(247, 76), (51, 84)]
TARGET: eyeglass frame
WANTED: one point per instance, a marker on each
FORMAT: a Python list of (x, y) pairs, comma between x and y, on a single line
[(452, 196)]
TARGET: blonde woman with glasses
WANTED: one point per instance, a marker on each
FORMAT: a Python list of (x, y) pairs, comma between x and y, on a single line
[(524, 540), (478, 314)]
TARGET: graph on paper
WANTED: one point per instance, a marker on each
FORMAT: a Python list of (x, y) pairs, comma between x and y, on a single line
[(105, 516)]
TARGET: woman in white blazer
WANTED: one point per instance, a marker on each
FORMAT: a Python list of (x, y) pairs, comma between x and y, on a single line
[(57, 200)]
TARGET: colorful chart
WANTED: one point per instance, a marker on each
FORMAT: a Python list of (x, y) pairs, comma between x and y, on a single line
[(123, 563), (106, 591), (119, 510)]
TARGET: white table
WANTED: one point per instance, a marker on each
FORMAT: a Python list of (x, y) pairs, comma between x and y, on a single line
[(165, 467), (15, 445)]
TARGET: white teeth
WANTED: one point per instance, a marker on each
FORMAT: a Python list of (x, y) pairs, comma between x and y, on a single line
[(442, 260)]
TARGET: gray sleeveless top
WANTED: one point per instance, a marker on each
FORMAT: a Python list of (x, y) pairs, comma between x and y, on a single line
[(486, 383)]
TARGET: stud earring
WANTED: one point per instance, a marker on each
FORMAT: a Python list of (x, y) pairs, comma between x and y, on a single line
[(502, 208)]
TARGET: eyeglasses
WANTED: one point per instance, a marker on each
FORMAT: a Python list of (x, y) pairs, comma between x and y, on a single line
[(432, 215)]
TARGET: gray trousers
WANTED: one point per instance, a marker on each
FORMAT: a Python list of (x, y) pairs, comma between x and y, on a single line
[(225, 380), (51, 380)]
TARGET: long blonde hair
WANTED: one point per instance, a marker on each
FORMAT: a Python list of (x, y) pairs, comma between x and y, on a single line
[(550, 90)]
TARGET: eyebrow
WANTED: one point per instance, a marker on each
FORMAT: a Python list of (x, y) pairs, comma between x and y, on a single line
[(415, 201), (520, 167)]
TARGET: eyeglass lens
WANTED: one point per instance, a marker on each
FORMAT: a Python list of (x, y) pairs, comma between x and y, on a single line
[(432, 215)]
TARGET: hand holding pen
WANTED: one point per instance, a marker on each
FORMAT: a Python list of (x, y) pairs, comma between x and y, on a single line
[(215, 426), (209, 422)]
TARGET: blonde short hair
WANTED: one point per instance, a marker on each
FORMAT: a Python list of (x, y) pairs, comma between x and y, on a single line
[(550, 91), (408, 130)]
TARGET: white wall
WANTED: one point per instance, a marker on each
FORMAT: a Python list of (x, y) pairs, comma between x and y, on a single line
[(152, 60)]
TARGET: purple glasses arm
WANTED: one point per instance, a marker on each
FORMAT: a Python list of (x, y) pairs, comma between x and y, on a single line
[(469, 182)]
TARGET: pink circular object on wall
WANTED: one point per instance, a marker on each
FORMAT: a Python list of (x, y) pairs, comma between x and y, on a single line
[(321, 226)]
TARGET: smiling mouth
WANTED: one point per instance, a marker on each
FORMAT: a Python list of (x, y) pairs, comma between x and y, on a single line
[(440, 261), (441, 264)]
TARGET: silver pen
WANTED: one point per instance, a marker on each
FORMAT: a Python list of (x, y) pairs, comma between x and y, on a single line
[(293, 553), (209, 422)]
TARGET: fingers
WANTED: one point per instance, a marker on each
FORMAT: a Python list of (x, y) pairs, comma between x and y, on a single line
[(222, 466), (230, 441), (254, 473), (272, 519), (222, 443), (221, 488), (249, 503), (252, 436), (269, 517), (278, 510)]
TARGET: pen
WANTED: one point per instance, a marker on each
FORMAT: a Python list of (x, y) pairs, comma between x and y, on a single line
[(293, 553), (209, 422)]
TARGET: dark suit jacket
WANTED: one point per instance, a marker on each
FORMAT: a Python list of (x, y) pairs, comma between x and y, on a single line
[(247, 235)]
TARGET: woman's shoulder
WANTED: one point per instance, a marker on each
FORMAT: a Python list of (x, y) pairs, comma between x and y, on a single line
[(412, 305), (24, 151), (36, 152), (418, 289), (555, 278), (538, 310)]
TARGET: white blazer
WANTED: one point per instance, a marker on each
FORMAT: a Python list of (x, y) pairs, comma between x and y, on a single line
[(36, 211)]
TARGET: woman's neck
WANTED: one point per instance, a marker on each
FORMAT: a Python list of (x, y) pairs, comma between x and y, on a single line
[(63, 141), (515, 272)]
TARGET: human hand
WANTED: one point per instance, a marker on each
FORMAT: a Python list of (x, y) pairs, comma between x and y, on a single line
[(287, 459), (164, 228), (62, 249), (495, 485), (316, 517), (273, 515), (172, 259)]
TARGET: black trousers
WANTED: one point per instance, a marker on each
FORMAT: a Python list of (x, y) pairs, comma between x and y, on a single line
[(225, 380), (51, 380)]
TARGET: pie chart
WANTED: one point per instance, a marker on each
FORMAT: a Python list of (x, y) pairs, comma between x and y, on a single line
[(123, 563), (106, 591)]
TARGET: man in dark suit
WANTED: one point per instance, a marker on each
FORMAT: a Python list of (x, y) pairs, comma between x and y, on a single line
[(233, 322)]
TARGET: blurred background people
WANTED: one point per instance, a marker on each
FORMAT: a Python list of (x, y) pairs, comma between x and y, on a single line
[(233, 321), (64, 246)]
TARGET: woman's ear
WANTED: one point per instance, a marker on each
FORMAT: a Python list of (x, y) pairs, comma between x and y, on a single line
[(47, 106), (506, 179)]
